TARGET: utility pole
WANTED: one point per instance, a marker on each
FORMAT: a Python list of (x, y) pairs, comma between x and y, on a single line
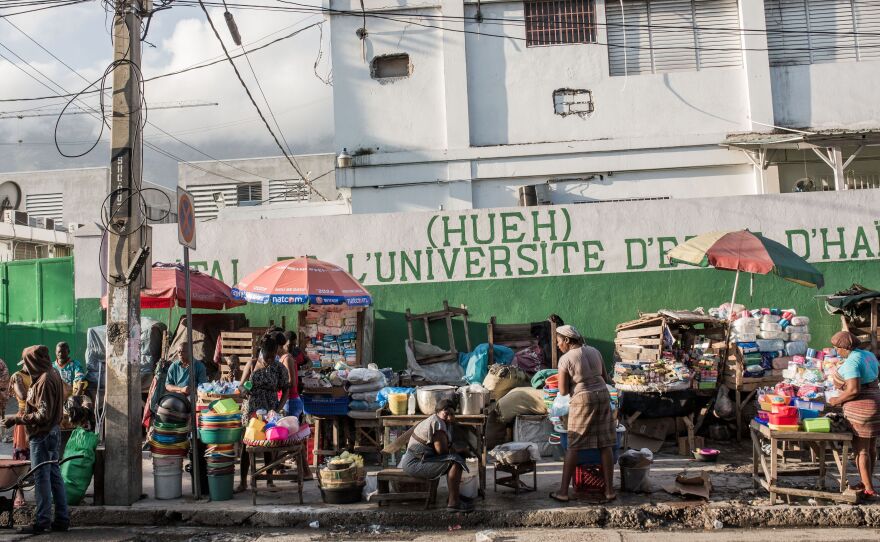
[(125, 238)]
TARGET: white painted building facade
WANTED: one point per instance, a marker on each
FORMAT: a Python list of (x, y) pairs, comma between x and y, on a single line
[(455, 104)]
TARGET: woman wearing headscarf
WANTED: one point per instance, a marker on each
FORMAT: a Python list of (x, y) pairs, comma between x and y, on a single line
[(267, 377), (860, 398), (582, 375), (430, 455)]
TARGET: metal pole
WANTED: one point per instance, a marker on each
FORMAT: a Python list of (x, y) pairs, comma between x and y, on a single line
[(193, 396)]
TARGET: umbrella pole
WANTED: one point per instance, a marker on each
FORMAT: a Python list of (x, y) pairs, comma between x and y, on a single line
[(733, 297)]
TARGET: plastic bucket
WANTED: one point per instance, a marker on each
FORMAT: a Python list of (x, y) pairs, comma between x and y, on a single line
[(220, 487), (167, 482), (632, 479), (397, 403), (167, 461)]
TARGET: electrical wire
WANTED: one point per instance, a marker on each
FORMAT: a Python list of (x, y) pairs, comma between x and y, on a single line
[(256, 106), (176, 72)]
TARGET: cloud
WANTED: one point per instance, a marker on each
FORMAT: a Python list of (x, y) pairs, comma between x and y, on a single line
[(302, 104)]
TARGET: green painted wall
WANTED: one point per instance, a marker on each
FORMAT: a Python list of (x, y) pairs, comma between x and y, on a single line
[(36, 306), (594, 303)]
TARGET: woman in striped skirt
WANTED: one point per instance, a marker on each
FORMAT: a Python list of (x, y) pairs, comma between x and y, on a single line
[(860, 397)]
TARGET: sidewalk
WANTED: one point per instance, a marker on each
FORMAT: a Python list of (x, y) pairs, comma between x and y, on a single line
[(733, 502)]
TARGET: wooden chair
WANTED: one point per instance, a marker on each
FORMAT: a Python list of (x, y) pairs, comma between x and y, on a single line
[(447, 314), (519, 336)]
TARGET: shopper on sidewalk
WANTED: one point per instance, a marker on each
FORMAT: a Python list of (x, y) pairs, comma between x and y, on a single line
[(42, 414)]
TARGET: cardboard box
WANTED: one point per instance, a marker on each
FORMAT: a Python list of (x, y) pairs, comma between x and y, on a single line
[(657, 429)]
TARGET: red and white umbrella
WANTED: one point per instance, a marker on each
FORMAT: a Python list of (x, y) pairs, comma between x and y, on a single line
[(302, 281)]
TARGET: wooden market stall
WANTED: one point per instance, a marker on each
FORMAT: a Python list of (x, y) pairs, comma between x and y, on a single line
[(666, 364), (735, 379)]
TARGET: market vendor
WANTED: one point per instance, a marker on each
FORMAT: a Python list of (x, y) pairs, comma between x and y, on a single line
[(582, 375), (268, 380), (860, 398), (177, 379), (293, 358), (430, 455), (73, 375)]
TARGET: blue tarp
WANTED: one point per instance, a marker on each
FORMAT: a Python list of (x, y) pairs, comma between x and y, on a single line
[(476, 363)]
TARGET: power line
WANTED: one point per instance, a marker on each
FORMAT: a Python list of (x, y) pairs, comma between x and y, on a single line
[(50, 6), (256, 106), (169, 74)]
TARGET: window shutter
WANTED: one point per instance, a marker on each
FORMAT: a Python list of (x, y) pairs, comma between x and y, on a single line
[(831, 28), (203, 198), (868, 22), (673, 47), (718, 37), (633, 57), (817, 31), (672, 35), (46, 205)]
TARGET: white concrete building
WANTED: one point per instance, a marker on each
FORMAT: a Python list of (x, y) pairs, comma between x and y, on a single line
[(262, 187), (456, 104)]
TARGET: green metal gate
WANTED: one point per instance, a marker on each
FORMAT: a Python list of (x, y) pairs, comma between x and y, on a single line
[(36, 306)]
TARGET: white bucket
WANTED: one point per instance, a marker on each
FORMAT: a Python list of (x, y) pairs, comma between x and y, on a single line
[(168, 481), (472, 402)]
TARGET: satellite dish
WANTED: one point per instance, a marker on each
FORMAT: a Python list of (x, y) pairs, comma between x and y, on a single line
[(804, 185), (10, 196)]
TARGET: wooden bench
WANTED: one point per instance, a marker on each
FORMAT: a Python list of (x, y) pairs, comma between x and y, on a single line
[(384, 479), (515, 471)]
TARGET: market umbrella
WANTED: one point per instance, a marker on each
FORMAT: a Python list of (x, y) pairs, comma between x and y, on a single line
[(745, 251), (168, 290), (302, 281)]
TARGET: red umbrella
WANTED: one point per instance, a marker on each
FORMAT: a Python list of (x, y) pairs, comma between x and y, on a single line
[(168, 290), (302, 281)]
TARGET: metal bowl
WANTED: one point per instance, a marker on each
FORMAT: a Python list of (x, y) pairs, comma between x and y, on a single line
[(429, 396)]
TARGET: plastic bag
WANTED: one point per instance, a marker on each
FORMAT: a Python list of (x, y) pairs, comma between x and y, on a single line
[(439, 373), (724, 407), (476, 364), (529, 359), (382, 395), (77, 473), (560, 406), (363, 376)]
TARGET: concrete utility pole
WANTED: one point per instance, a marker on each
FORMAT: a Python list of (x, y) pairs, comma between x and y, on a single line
[(124, 407)]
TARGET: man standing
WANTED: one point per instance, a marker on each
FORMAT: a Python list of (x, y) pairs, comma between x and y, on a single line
[(42, 414), (177, 380)]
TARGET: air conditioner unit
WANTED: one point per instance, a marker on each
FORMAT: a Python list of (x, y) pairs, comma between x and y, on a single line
[(42, 222), (59, 226), (18, 218)]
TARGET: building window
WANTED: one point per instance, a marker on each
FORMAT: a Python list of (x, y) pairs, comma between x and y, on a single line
[(391, 66), (572, 101), (816, 31), (45, 205), (249, 194), (656, 36), (288, 190), (560, 22)]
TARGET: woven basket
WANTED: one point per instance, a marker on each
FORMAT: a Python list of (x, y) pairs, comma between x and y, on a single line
[(269, 443)]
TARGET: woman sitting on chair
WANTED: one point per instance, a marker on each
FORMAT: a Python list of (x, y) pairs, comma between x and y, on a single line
[(429, 455)]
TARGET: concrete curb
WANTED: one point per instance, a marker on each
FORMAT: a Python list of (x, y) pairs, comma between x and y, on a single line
[(662, 516)]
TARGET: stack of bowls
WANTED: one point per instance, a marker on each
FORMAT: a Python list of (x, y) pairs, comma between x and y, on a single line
[(219, 428)]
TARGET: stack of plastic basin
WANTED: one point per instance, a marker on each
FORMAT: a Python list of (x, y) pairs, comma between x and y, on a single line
[(220, 428)]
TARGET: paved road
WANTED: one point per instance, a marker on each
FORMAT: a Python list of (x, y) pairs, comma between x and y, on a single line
[(188, 534)]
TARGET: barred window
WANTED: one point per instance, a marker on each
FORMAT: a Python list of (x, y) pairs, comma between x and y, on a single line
[(560, 22)]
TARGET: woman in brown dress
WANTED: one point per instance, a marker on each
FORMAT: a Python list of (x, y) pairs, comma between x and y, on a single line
[(582, 375)]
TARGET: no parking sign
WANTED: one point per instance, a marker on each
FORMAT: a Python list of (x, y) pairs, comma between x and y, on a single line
[(186, 219)]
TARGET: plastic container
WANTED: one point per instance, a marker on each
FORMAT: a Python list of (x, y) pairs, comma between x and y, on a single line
[(766, 407), (397, 403), (225, 406), (783, 410), (277, 433), (777, 399), (588, 479), (220, 436), (593, 456), (220, 487), (817, 425), (632, 479), (764, 416), (807, 414), (785, 428), (168, 481), (809, 405), (780, 419), (325, 406)]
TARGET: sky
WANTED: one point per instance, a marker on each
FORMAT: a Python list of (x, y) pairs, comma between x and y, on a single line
[(297, 92)]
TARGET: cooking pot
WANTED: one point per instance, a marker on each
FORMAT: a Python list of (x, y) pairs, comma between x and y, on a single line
[(429, 396)]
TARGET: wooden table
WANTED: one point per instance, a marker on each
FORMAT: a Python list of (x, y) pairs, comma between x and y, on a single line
[(819, 443), (281, 454), (339, 436), (477, 422)]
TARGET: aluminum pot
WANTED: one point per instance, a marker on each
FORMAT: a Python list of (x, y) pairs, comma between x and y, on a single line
[(429, 396)]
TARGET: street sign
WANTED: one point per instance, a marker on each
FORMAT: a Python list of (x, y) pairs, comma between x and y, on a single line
[(186, 219)]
